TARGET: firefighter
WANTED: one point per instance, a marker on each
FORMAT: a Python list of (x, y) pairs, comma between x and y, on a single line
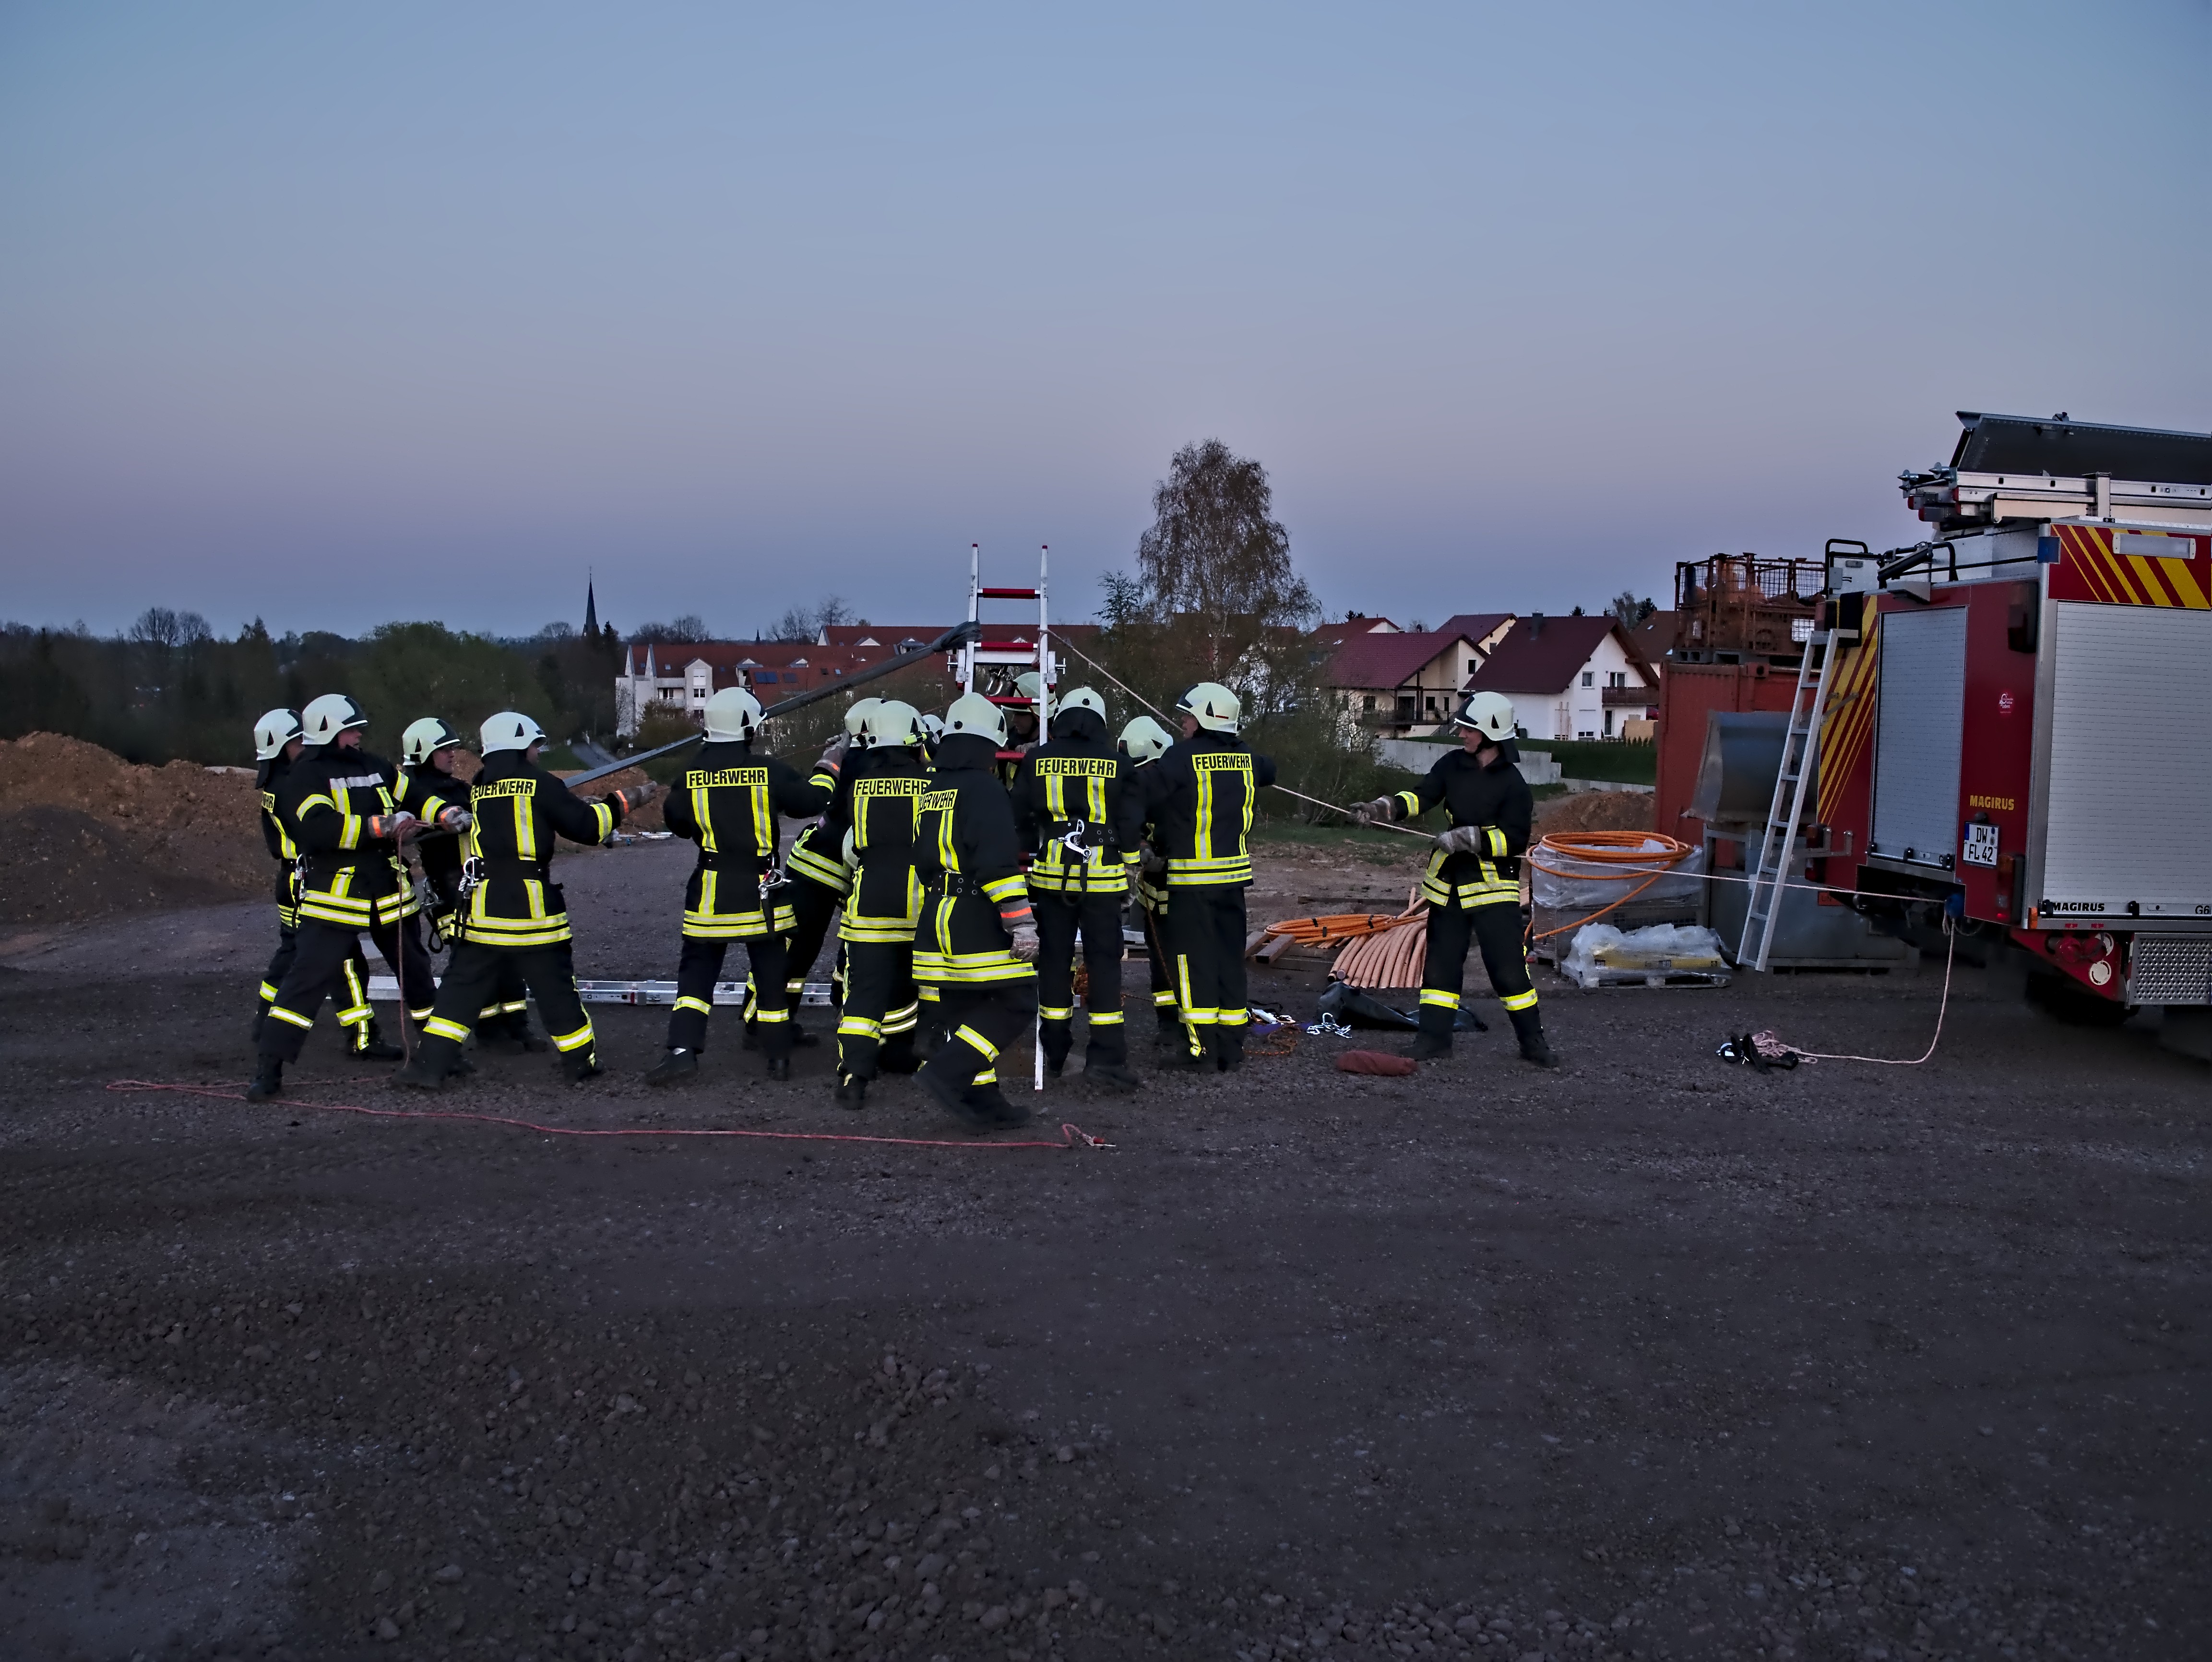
[(426, 751), (348, 812), (819, 881), (515, 913), (1067, 801), (276, 745), (1024, 721), (977, 939), (726, 802), (1472, 884), (1200, 796), (1144, 741), (876, 799)]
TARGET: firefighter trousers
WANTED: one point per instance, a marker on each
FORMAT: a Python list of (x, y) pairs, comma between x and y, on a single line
[(1060, 919), (882, 1007), (327, 958), (1156, 952), (351, 990), (1495, 930), (980, 1019), (1205, 939), (812, 907), (548, 972), (768, 1009)]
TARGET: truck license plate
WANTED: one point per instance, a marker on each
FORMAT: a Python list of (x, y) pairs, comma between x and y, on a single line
[(1981, 847)]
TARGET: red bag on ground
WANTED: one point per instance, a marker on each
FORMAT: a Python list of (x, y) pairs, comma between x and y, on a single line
[(1373, 1061)]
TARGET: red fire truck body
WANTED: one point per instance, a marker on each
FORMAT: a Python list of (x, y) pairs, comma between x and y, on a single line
[(2018, 728)]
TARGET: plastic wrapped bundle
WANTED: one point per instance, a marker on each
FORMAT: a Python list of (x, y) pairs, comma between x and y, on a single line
[(1665, 955)]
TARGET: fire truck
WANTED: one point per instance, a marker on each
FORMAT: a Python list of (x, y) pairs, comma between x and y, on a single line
[(2010, 724)]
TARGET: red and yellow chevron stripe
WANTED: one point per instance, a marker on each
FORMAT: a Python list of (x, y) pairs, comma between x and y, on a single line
[(1847, 725), (2111, 567)]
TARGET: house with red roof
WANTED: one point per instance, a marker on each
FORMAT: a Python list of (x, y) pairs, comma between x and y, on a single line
[(681, 676), (1400, 684), (1570, 677)]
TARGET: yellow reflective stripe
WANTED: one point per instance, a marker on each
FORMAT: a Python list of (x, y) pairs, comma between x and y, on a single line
[(989, 1077), (576, 1040), (1519, 1000), (293, 1016), (982, 1046), (1412, 802), (1056, 1014), (1163, 1000), (1007, 888), (1232, 1018), (439, 1028), (1444, 1000), (859, 1026), (268, 993), (771, 1015), (1105, 1018), (702, 1005)]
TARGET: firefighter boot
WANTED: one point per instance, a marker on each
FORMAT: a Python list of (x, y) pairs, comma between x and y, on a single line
[(898, 1055), (1435, 1038), (852, 1091), (1169, 1032), (1106, 1060), (367, 1043), (776, 1041), (1058, 1038), (268, 1078), (985, 1108), (577, 1066), (679, 1064), (1528, 1027), (1229, 1048), (424, 1073), (518, 1025)]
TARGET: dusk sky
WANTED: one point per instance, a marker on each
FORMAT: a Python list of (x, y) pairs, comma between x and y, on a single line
[(337, 314)]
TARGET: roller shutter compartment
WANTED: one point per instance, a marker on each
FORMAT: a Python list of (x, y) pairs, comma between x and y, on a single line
[(1916, 735), (2131, 802)]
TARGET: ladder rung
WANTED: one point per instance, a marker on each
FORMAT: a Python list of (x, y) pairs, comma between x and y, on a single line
[(1007, 594)]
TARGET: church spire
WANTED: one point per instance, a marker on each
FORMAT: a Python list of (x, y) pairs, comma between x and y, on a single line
[(591, 607)]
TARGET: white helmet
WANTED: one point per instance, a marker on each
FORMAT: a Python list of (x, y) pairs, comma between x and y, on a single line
[(1030, 686), (326, 717), (273, 732), (933, 727), (1080, 698), (856, 718), (1214, 705), (733, 712), (424, 739), (510, 730), (1145, 740), (1489, 713), (972, 715), (893, 721)]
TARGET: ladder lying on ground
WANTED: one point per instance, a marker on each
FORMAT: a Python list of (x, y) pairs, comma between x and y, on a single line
[(1800, 756)]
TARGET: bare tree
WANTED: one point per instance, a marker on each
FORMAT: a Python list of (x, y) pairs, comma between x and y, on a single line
[(1629, 609), (1215, 559), (689, 627), (800, 623)]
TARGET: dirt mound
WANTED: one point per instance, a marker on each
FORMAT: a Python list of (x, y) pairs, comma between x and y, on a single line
[(84, 833), (1595, 811)]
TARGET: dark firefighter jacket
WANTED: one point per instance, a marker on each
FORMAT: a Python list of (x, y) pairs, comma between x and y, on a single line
[(878, 801), (970, 861), (1496, 798), (1068, 798), (520, 809), (284, 848), (726, 802), (327, 801), (817, 853), (1200, 797)]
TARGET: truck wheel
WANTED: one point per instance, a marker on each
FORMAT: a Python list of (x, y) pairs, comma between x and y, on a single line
[(2065, 1001)]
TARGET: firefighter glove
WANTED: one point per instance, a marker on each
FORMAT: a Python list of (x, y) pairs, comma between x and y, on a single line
[(833, 753), (1383, 808), (1465, 839), (392, 827), (456, 819)]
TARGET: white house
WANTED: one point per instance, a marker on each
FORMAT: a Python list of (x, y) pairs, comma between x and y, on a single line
[(1570, 677)]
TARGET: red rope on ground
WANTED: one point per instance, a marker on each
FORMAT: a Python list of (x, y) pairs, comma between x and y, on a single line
[(1071, 1135)]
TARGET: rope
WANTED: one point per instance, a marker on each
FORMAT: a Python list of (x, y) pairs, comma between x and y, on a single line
[(1618, 848), (1950, 955), (1402, 830), (1071, 1137), (1118, 681)]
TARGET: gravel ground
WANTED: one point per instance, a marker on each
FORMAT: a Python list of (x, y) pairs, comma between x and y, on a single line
[(1651, 1357)]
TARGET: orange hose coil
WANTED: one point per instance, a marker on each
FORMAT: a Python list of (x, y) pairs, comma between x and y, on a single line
[(1631, 849)]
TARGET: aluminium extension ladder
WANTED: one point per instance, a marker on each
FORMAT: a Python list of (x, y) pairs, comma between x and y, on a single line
[(1006, 660), (1801, 756)]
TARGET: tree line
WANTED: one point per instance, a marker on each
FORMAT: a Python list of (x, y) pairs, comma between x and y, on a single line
[(170, 687)]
